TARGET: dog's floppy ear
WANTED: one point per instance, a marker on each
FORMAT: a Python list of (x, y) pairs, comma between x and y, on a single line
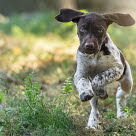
[(67, 15), (120, 19)]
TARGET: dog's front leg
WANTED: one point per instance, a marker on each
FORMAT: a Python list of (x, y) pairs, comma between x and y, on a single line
[(83, 87), (108, 76), (94, 115)]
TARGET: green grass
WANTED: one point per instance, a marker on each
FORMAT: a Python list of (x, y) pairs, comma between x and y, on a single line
[(32, 113), (45, 102)]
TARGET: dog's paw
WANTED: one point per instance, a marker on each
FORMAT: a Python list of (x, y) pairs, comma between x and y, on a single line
[(122, 114), (86, 96), (93, 121), (92, 125), (101, 92)]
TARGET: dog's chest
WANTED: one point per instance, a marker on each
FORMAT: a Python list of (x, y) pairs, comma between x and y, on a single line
[(94, 65), (100, 64)]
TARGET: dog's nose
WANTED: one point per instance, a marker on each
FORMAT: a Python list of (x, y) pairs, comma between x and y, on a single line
[(89, 45)]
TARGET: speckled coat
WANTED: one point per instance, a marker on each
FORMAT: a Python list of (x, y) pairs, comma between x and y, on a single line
[(99, 61), (95, 71)]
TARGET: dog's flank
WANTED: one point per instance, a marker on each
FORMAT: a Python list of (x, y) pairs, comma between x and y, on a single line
[(99, 61)]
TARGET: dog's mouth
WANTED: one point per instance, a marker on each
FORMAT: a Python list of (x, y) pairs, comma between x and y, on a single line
[(92, 51)]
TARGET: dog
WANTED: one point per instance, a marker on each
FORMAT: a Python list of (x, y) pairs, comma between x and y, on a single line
[(99, 61)]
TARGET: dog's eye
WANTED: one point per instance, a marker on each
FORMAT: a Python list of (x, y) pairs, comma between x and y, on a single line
[(82, 30)]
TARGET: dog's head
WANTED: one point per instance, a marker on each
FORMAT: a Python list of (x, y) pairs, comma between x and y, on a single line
[(92, 27)]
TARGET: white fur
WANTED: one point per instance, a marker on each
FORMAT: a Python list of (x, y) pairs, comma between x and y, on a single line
[(120, 102), (94, 115)]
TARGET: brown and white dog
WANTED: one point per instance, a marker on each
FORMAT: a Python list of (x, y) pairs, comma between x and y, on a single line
[(99, 61)]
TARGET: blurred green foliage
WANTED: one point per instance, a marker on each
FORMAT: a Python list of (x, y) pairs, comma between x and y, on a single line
[(2, 95), (124, 37), (38, 23), (38, 42), (44, 23)]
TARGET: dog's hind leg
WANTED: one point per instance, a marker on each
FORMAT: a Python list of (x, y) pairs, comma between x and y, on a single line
[(120, 102), (123, 90), (93, 118)]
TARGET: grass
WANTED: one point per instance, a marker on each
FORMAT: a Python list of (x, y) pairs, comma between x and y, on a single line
[(32, 113), (37, 62)]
